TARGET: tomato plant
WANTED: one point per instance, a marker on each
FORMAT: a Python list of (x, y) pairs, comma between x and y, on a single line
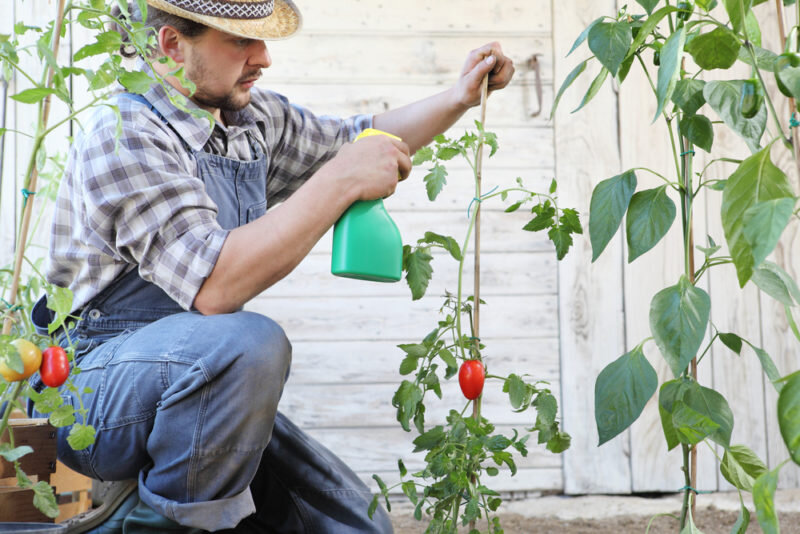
[(470, 378), (463, 452), (758, 203), (55, 366)]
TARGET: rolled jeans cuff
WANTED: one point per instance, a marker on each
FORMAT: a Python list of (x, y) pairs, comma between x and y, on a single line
[(206, 515)]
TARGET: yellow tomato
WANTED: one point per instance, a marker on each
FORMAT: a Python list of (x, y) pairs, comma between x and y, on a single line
[(31, 360)]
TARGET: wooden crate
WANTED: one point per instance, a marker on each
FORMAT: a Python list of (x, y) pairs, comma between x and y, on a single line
[(16, 504)]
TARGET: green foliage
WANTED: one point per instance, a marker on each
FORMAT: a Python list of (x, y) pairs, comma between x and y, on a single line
[(758, 204), (462, 452)]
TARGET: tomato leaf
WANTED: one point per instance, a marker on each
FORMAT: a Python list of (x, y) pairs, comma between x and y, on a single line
[(81, 436), (435, 181), (610, 200), (678, 320), (422, 155), (135, 81), (44, 499), (418, 269), (12, 455), (650, 215), (33, 95), (621, 391), (789, 415), (447, 242), (561, 236)]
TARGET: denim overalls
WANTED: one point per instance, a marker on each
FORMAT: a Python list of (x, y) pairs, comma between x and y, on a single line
[(188, 403)]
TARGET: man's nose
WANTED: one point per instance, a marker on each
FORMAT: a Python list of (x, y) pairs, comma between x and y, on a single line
[(259, 56)]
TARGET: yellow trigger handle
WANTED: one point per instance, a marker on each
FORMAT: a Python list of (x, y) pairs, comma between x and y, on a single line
[(372, 131)]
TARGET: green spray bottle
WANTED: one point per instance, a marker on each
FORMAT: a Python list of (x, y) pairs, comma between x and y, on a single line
[(366, 242)]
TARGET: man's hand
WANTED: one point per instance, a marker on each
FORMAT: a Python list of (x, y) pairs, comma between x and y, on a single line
[(371, 167), (486, 59)]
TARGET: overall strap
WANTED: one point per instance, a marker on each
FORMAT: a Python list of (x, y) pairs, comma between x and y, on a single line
[(142, 100)]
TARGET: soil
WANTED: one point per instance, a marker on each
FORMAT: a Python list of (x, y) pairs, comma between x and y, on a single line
[(607, 515)]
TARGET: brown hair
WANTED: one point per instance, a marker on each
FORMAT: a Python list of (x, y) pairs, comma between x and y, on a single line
[(156, 19)]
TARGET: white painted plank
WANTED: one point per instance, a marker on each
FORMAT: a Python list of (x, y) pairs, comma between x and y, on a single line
[(473, 16), (389, 59), (590, 307), (319, 319), (365, 362), (9, 190)]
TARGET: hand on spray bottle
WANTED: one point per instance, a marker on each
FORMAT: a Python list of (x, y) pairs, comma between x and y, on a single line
[(373, 164)]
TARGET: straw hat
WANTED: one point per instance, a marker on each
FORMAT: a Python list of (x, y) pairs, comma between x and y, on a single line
[(253, 19)]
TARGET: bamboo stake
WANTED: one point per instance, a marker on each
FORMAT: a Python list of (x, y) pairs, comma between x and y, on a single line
[(31, 185)]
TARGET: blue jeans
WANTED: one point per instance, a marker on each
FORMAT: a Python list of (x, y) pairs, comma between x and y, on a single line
[(188, 405)]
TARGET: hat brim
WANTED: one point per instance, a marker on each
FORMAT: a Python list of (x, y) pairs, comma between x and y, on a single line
[(284, 21)]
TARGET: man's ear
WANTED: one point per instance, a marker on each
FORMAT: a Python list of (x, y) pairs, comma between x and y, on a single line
[(170, 41)]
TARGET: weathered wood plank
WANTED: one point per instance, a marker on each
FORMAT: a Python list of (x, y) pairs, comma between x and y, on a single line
[(591, 315), (365, 362), (319, 319), (395, 59), (8, 171), (471, 16)]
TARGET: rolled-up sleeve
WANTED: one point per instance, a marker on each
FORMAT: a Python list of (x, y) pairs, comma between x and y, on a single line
[(144, 207)]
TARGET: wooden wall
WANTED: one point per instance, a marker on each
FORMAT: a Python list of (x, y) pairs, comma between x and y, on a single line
[(560, 322)]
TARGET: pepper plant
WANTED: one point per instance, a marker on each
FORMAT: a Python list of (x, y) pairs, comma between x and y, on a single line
[(29, 55), (675, 45), (465, 451)]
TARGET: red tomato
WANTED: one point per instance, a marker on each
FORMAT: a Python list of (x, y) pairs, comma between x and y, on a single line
[(55, 367), (470, 378)]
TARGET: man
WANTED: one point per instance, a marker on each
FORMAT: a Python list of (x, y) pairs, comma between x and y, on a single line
[(164, 234)]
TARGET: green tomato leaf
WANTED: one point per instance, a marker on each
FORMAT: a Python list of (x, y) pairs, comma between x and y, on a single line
[(59, 300), (561, 236), (44, 499), (789, 415), (12, 455), (80, 436), (422, 155), (33, 95), (135, 81), (571, 77), (756, 180), (435, 181), (418, 269), (713, 405), (517, 390), (741, 467), (406, 399), (408, 365), (650, 216), (723, 97), (447, 242), (698, 130), (105, 43), (670, 68), (609, 42), (678, 319), (621, 391), (610, 200), (688, 95), (430, 439), (764, 499), (717, 49), (594, 88), (737, 11)]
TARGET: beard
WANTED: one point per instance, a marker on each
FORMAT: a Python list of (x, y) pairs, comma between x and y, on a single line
[(231, 101)]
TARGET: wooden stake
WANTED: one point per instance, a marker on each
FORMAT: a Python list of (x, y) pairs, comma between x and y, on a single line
[(31, 185)]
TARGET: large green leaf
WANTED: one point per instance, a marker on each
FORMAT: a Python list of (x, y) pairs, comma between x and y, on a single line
[(789, 415), (756, 180), (698, 130), (764, 223), (691, 426), (714, 406), (567, 82), (737, 11), (678, 319), (777, 283), (670, 393), (609, 42), (32, 96), (764, 499), (594, 88), (723, 97), (717, 49), (650, 216), (136, 81), (610, 200), (621, 391), (688, 95), (585, 33), (417, 265), (741, 467), (671, 55)]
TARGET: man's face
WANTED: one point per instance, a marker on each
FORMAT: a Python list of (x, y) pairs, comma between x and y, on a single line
[(224, 67)]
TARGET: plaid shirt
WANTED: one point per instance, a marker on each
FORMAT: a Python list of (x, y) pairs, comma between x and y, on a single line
[(136, 201)]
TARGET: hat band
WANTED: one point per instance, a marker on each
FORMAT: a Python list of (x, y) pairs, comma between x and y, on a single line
[(227, 9)]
